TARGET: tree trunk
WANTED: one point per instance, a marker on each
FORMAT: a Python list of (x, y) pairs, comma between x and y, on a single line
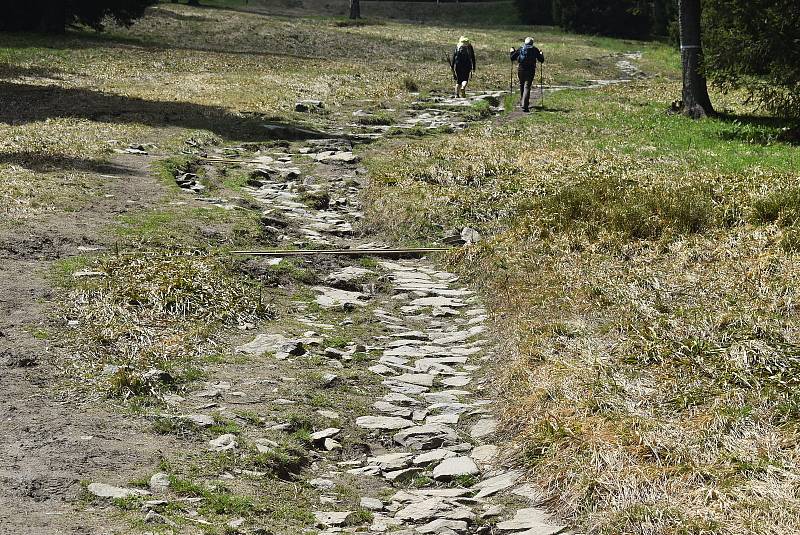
[(355, 9), (696, 102)]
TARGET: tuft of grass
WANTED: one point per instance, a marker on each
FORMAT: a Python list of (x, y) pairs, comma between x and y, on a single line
[(153, 314), (410, 84), (376, 119)]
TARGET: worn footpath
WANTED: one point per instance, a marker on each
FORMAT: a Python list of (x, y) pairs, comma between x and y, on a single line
[(377, 366)]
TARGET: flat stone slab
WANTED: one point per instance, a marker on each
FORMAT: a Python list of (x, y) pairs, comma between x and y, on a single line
[(392, 409), (443, 526), (453, 467), (104, 490), (534, 520), (335, 298), (329, 519), (433, 456), (419, 379), (392, 461), (426, 437), (457, 381), (484, 454), (263, 343), (389, 423), (438, 301), (496, 484), (423, 510), (483, 428)]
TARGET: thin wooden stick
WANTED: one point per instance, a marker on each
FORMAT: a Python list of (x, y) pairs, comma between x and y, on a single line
[(351, 252)]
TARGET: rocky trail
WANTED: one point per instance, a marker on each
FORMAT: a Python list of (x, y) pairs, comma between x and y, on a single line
[(406, 423), (363, 407)]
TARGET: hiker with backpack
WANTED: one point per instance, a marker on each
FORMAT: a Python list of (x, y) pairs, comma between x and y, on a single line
[(527, 56), (462, 65)]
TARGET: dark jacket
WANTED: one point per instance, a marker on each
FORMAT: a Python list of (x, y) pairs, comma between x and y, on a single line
[(466, 65), (534, 53)]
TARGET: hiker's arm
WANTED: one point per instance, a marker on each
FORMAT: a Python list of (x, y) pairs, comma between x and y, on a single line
[(541, 56), (514, 54), (472, 57)]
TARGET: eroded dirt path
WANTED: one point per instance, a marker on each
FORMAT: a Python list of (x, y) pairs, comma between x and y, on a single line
[(50, 443)]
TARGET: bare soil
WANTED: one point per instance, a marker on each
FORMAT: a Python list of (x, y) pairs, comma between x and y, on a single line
[(50, 444)]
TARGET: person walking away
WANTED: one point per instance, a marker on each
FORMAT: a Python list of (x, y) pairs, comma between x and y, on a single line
[(463, 64), (527, 56)]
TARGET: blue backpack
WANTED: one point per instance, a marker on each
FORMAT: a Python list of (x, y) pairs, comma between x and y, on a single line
[(527, 56)]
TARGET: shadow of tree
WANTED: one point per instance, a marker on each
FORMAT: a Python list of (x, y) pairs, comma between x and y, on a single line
[(44, 162), (25, 103), (759, 129)]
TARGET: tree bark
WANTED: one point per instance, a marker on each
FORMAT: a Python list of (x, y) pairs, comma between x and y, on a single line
[(696, 102), (355, 9)]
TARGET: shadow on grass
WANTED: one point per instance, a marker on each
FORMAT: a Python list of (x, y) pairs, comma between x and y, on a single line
[(759, 129), (43, 163), (26, 103)]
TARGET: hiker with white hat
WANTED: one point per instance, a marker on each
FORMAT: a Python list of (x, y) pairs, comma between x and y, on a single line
[(462, 64), (527, 56)]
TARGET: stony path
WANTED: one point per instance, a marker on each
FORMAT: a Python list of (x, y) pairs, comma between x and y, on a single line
[(420, 450)]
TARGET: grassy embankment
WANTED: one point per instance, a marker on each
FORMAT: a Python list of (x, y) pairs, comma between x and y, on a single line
[(642, 272)]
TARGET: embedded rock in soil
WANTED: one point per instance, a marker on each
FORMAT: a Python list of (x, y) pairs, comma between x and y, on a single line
[(327, 519), (484, 454), (335, 298), (200, 420), (426, 437), (223, 442), (322, 484), (532, 519), (347, 276), (262, 343), (103, 490), (442, 526), (371, 504), (383, 422), (496, 484), (454, 467), (483, 428), (308, 105), (159, 483)]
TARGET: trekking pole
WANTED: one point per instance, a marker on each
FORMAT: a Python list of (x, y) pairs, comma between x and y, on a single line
[(511, 80), (541, 84)]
